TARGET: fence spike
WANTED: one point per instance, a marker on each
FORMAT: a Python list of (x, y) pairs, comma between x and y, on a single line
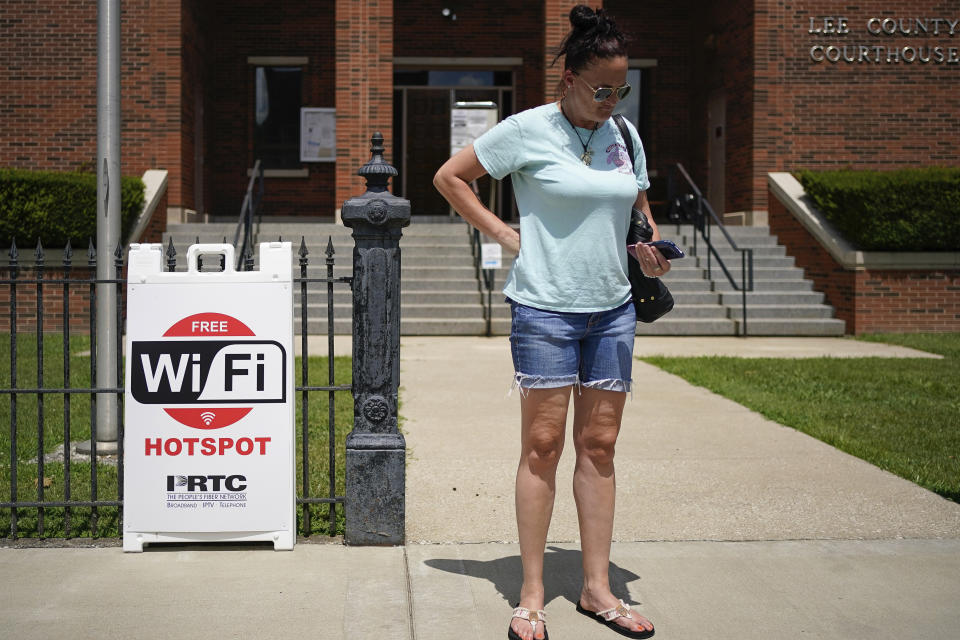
[(171, 256), (91, 253), (67, 254), (303, 253), (330, 250), (39, 253), (13, 253)]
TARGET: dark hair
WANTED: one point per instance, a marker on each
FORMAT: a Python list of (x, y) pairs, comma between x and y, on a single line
[(594, 35)]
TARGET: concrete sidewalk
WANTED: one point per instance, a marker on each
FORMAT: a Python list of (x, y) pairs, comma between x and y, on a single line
[(728, 526)]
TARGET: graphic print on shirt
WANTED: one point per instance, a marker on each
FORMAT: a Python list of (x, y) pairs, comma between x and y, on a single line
[(617, 155)]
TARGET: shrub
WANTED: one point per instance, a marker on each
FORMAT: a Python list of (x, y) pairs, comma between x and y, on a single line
[(56, 207), (904, 210)]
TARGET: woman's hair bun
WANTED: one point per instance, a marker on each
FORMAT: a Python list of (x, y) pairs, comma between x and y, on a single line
[(583, 17), (594, 35)]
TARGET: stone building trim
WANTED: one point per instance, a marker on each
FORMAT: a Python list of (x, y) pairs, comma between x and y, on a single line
[(791, 194), (871, 291)]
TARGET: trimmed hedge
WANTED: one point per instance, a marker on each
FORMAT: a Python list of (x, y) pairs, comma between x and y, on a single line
[(904, 210), (54, 207)]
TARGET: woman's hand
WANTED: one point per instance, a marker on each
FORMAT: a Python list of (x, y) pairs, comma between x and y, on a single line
[(652, 262)]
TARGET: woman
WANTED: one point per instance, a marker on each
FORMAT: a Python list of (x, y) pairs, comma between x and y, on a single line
[(573, 321)]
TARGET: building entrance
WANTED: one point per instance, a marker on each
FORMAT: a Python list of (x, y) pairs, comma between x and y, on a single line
[(422, 103)]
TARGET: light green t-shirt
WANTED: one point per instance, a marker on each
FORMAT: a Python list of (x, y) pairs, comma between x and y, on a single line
[(573, 217)]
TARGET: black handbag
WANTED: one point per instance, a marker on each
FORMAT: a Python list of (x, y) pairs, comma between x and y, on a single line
[(651, 298)]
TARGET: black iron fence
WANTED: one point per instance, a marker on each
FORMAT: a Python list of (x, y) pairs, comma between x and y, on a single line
[(59, 301), (372, 504), (33, 287)]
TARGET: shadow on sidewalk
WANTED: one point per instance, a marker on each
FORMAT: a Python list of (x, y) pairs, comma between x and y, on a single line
[(562, 575)]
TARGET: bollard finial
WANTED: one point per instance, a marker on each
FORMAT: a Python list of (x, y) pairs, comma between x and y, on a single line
[(377, 172)]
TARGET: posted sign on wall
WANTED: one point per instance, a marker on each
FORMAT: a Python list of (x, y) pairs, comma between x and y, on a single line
[(208, 435)]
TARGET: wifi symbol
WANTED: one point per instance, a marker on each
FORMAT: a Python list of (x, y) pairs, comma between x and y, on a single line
[(207, 417)]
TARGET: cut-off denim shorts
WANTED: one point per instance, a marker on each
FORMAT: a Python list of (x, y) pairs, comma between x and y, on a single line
[(556, 349)]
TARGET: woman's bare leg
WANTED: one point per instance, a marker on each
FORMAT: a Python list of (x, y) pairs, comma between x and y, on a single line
[(543, 417), (596, 425)]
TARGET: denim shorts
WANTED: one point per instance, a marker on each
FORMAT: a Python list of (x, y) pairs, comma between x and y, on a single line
[(556, 349)]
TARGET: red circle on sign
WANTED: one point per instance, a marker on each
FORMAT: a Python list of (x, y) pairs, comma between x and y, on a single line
[(213, 418), (206, 325)]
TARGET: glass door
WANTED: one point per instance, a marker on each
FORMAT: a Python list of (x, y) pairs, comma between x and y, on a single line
[(423, 100)]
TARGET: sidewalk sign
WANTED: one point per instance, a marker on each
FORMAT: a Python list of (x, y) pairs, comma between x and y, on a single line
[(209, 405), (491, 255)]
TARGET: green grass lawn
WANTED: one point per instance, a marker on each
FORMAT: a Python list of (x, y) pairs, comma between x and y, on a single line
[(82, 522), (901, 414)]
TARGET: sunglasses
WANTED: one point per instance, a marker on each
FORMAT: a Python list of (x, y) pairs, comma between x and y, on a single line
[(602, 93)]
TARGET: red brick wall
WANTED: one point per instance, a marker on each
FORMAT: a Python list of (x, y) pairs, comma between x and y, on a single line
[(826, 115), (908, 301), (364, 88), (556, 24), (498, 28), (48, 105), (872, 301), (672, 34)]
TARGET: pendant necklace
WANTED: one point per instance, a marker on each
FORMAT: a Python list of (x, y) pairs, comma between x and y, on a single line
[(587, 156)]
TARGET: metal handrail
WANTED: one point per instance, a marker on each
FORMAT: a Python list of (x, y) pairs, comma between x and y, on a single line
[(703, 214), (484, 279), (250, 207)]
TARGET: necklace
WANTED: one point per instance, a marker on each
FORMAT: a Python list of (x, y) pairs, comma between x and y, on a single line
[(587, 156)]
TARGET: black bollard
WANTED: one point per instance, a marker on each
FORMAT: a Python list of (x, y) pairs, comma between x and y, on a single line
[(376, 451)]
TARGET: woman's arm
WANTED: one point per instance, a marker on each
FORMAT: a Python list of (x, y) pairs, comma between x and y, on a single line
[(453, 182)]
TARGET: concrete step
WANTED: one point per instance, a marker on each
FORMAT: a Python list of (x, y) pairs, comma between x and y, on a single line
[(695, 297), (755, 298), (692, 285), (318, 299), (440, 293), (776, 251), (720, 242), (689, 271), (426, 260), (445, 284), (678, 326), (427, 311), (780, 311), (408, 327), (794, 326), (724, 285), (733, 261)]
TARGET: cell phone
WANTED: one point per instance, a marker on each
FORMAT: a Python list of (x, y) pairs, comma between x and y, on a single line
[(669, 250)]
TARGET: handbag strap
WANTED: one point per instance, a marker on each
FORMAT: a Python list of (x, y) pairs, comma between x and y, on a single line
[(627, 138)]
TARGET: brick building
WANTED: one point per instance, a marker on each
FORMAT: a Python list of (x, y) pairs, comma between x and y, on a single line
[(732, 89)]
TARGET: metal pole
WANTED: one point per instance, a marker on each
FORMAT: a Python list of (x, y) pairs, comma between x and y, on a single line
[(108, 214)]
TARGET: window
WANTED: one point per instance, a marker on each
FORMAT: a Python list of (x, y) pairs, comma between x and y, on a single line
[(276, 131)]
